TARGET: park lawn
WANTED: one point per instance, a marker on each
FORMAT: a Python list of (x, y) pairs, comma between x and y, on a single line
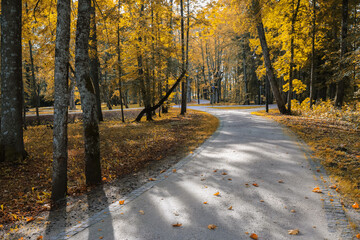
[(336, 144), (125, 148)]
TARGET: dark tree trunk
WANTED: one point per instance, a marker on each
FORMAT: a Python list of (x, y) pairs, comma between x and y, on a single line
[(342, 84), (183, 87), (12, 143), (88, 95), (312, 71), (60, 135), (35, 87), (119, 66), (94, 60), (269, 69)]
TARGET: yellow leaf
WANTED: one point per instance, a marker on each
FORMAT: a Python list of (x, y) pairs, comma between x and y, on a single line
[(212, 226), (216, 194), (141, 212), (294, 232), (2, 207), (254, 236), (121, 202), (177, 225)]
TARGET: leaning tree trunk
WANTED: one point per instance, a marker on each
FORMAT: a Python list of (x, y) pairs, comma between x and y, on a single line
[(88, 95), (60, 136), (94, 61), (343, 82), (12, 144), (269, 69)]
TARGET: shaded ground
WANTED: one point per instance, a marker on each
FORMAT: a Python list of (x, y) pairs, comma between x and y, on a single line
[(126, 149)]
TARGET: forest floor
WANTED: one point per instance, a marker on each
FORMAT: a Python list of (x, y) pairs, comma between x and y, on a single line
[(131, 155), (335, 144)]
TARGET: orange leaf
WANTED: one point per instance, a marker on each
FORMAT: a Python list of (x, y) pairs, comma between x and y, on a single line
[(333, 187), (247, 233), (162, 171), (331, 200), (204, 202), (101, 237), (121, 202), (294, 232), (212, 226), (230, 208), (174, 170), (104, 178), (39, 238), (215, 170), (216, 194), (255, 184), (177, 225), (229, 179), (254, 236), (317, 190), (280, 181), (29, 219), (355, 206), (358, 236), (224, 173), (152, 179)]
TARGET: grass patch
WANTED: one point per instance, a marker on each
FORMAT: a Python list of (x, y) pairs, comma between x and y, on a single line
[(336, 143), (125, 148)]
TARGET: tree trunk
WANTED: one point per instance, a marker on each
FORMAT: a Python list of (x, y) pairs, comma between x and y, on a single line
[(34, 85), (60, 135), (94, 59), (342, 84), (87, 94), (12, 143), (312, 71), (269, 69)]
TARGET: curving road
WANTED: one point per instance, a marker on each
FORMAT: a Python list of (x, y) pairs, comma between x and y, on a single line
[(250, 150)]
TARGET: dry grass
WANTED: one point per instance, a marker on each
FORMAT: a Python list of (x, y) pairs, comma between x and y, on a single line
[(125, 148), (336, 143)]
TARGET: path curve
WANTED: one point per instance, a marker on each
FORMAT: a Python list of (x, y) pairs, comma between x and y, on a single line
[(250, 150)]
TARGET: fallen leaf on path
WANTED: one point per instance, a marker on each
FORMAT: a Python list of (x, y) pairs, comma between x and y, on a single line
[(255, 185), (174, 170), (317, 190), (358, 236), (280, 181), (177, 225), (152, 179), (162, 171), (215, 170), (224, 173), (101, 237), (230, 208), (99, 229), (29, 219), (333, 187), (121, 202), (331, 200), (262, 201), (203, 179), (216, 194), (293, 211), (355, 206), (40, 219), (212, 226), (141, 212), (254, 236), (39, 238), (294, 232), (229, 179), (247, 233)]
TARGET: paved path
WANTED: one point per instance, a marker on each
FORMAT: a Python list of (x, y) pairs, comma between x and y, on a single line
[(249, 149)]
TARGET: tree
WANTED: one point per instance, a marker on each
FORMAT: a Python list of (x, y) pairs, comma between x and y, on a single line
[(12, 143), (60, 142), (87, 94), (256, 11)]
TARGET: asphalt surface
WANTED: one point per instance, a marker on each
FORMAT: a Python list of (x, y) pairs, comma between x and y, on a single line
[(246, 150)]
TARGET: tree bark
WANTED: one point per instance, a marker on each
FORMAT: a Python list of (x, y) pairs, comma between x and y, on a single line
[(185, 56), (94, 60), (88, 95), (119, 67), (312, 71), (60, 135), (269, 69), (342, 84), (12, 143)]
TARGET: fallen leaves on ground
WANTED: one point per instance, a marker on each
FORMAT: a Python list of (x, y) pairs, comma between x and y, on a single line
[(254, 236), (217, 194), (317, 190), (355, 206), (121, 202), (177, 225), (255, 185), (125, 149), (205, 202), (212, 226), (294, 232)]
